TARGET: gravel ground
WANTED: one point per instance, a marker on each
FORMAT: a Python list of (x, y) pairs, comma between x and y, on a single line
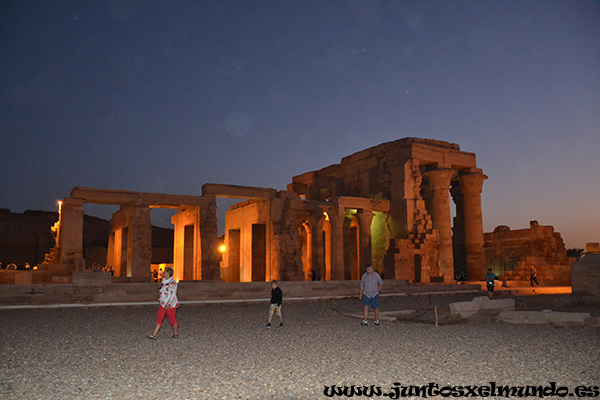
[(225, 352)]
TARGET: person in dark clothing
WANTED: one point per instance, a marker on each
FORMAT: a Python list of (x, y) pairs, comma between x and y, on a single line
[(490, 280), (276, 299), (533, 276)]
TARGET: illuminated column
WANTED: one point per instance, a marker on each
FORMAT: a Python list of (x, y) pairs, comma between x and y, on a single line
[(211, 269), (364, 222), (110, 253), (439, 208), (307, 253), (70, 235), (139, 240), (317, 243), (187, 260), (337, 245), (471, 185), (116, 260)]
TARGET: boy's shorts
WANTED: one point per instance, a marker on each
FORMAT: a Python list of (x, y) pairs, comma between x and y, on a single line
[(490, 288), (373, 301), (275, 309)]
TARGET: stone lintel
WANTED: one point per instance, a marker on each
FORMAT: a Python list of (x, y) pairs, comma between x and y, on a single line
[(466, 171), (341, 203), (170, 200), (345, 202), (104, 196), (238, 192), (120, 197), (444, 157)]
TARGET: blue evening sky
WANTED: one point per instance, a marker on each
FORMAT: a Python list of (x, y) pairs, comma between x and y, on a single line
[(164, 96)]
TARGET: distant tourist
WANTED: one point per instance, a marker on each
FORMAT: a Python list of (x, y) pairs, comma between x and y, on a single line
[(168, 304), (370, 288), (533, 275), (314, 274), (490, 280), (460, 276), (275, 307)]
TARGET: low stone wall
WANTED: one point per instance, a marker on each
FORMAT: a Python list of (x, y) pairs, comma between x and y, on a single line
[(585, 275), (46, 273), (101, 292)]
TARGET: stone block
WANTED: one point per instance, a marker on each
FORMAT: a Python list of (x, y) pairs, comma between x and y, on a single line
[(498, 304), (23, 277), (585, 275), (545, 317), (91, 278), (7, 277), (482, 304), (523, 317), (592, 322), (593, 247), (567, 318), (464, 309), (61, 279)]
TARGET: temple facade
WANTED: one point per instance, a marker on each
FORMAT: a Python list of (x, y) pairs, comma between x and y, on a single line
[(388, 205)]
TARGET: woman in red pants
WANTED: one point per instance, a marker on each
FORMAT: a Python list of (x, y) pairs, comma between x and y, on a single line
[(168, 304)]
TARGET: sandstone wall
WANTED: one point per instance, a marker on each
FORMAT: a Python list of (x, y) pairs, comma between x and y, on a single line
[(511, 252), (585, 276)]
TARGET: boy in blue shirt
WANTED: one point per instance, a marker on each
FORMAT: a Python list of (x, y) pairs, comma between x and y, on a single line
[(490, 279)]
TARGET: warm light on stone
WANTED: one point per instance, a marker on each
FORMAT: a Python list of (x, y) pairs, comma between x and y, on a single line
[(321, 227)]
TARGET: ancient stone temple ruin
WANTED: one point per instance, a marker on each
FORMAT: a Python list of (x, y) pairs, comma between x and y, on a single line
[(388, 205), (510, 253)]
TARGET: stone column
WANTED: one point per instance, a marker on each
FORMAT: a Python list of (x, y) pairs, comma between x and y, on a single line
[(318, 249), (186, 243), (471, 185), (439, 208), (365, 218), (70, 235), (337, 245), (458, 231), (211, 269), (115, 246), (139, 240)]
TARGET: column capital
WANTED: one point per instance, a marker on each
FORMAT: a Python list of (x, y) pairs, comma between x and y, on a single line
[(439, 178), (316, 219), (364, 217), (472, 182), (336, 218)]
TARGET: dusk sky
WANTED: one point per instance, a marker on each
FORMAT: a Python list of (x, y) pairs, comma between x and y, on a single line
[(164, 96)]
